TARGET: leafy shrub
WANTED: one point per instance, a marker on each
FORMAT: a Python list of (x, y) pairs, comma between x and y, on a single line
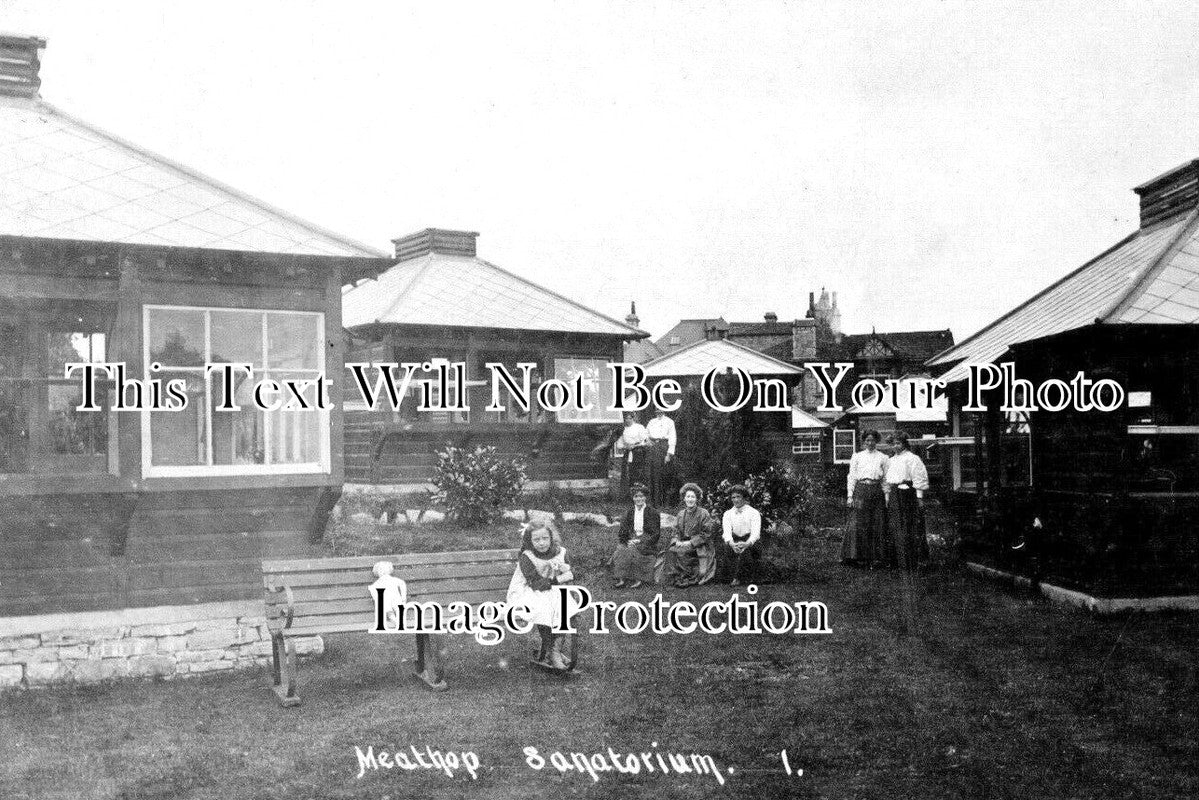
[(475, 485), (779, 493)]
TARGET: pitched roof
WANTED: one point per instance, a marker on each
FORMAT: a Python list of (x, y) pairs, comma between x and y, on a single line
[(1152, 276), (63, 178), (801, 420), (915, 345), (699, 358), (688, 331), (467, 292), (639, 352)]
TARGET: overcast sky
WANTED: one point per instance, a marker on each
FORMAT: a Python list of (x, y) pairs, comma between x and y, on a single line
[(934, 163)]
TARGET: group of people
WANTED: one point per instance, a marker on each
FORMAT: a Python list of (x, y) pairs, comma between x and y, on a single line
[(647, 455), (886, 498), (693, 553), (885, 493)]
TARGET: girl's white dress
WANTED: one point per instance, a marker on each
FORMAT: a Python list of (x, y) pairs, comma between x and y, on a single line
[(545, 607)]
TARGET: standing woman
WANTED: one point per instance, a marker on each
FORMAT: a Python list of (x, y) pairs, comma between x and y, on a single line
[(631, 445), (867, 528), (907, 481), (662, 441), (691, 559)]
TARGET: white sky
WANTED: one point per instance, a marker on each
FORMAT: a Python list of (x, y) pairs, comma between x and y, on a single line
[(934, 163)]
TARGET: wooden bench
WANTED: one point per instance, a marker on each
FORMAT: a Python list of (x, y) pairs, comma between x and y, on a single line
[(305, 597)]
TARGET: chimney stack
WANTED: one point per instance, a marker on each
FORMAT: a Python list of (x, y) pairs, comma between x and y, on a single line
[(1169, 194), (772, 317), (435, 240), (632, 319), (19, 65)]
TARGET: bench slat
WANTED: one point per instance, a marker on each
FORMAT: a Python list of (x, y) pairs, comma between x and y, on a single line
[(361, 602), (405, 559), (414, 578), (363, 621)]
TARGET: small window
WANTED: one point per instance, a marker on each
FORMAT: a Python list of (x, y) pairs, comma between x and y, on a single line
[(845, 442), (674, 341), (805, 443)]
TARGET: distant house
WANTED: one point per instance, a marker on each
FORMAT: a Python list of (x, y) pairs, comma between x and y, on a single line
[(817, 337), (1115, 494), (440, 301), (111, 253)]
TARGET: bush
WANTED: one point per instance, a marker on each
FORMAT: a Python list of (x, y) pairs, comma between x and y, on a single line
[(475, 485), (779, 493)]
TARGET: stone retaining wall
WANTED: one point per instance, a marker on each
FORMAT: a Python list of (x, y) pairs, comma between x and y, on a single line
[(163, 642)]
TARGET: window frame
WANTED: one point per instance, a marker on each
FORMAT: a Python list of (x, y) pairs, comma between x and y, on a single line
[(323, 466), (853, 444), (804, 443)]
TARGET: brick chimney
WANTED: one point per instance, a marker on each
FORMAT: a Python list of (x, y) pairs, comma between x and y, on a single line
[(435, 240), (803, 340), (1169, 194), (19, 65)]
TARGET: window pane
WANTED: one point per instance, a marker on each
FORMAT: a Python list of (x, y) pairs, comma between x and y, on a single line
[(177, 438), (176, 337), (292, 341), (64, 348), (76, 433), (237, 337), (238, 437), (597, 389), (295, 433)]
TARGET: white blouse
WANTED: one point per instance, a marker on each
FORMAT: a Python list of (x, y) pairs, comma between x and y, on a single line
[(663, 428), (632, 436), (906, 467), (866, 465)]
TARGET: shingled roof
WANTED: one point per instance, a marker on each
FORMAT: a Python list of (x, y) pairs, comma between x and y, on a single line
[(63, 178), (439, 289), (1152, 276), (699, 358)]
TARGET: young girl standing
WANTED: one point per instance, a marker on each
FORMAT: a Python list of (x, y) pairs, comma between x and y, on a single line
[(542, 566)]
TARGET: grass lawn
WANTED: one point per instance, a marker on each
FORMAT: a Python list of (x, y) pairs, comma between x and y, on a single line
[(947, 687)]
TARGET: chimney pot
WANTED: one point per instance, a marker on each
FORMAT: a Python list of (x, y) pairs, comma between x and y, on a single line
[(772, 317), (20, 65)]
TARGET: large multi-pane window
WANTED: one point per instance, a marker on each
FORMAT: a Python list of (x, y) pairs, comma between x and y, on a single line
[(41, 430), (205, 439)]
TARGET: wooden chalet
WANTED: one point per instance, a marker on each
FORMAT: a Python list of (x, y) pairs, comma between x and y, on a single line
[(442, 302), (111, 253), (1101, 501)]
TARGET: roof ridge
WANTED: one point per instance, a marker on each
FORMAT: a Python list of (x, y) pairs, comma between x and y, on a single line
[(1126, 298), (936, 359), (731, 343), (640, 333), (366, 250)]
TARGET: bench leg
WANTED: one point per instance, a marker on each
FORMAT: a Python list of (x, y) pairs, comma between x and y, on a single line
[(428, 662), (283, 670), (572, 651)]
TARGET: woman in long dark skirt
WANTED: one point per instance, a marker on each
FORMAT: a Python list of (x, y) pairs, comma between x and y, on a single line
[(867, 526), (907, 481), (659, 454)]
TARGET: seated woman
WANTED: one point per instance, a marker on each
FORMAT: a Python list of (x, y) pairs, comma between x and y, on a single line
[(742, 552), (633, 561), (691, 559)]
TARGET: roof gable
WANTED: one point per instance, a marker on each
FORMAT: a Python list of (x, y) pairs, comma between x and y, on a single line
[(461, 291), (700, 358), (62, 178)]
